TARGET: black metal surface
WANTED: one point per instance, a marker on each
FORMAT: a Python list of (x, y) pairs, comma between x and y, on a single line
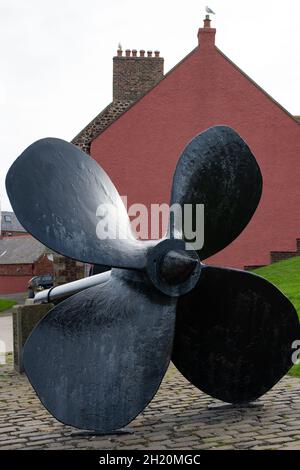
[(234, 335), (98, 358), (55, 190), (217, 169), (167, 267)]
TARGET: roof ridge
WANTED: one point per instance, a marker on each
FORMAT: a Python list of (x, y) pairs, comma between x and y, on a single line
[(257, 85)]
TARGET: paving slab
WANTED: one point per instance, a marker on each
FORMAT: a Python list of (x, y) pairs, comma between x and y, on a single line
[(177, 418)]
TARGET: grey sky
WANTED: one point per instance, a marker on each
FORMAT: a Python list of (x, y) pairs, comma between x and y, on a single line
[(56, 56)]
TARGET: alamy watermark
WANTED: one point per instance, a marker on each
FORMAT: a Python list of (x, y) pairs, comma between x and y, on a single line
[(296, 354), (187, 222)]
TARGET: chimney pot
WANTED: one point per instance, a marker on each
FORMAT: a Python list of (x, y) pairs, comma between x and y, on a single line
[(142, 53), (207, 21), (134, 52), (156, 53), (127, 52), (149, 53), (119, 52)]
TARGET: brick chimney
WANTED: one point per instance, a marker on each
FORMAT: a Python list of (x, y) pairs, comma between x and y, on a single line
[(206, 35), (135, 73)]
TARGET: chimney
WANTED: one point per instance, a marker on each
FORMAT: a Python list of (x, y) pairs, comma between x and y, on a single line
[(206, 35), (135, 73)]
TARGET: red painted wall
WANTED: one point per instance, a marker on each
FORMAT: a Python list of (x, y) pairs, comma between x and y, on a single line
[(13, 284), (140, 149)]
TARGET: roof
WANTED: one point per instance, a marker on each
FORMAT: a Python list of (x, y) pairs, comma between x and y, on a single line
[(21, 250), (10, 223), (294, 118), (117, 108)]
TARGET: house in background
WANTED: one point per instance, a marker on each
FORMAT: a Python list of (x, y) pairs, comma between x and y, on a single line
[(10, 226), (138, 138), (21, 258)]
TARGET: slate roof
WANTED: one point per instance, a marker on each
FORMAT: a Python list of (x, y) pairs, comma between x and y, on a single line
[(12, 225), (21, 250)]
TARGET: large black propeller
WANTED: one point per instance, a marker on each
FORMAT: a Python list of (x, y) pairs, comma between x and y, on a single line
[(97, 359)]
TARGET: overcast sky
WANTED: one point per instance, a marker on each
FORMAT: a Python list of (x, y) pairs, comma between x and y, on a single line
[(56, 56)]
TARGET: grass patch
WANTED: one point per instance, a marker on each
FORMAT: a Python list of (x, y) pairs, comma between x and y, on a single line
[(5, 304), (286, 276), (295, 371)]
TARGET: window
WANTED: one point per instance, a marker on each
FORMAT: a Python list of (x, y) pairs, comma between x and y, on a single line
[(7, 218)]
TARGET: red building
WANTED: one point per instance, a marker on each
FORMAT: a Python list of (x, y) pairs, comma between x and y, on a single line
[(138, 138), (21, 258)]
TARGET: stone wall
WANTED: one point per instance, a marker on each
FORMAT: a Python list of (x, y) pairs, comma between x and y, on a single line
[(97, 125)]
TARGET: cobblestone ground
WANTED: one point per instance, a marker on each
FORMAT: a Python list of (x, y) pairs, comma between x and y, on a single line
[(178, 418)]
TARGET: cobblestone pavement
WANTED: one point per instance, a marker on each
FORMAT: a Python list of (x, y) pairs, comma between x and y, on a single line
[(178, 418)]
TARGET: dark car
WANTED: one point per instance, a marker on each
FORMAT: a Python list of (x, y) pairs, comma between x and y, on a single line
[(38, 283)]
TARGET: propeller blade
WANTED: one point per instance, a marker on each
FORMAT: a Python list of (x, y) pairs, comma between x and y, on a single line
[(234, 335), (97, 359), (216, 169), (66, 200)]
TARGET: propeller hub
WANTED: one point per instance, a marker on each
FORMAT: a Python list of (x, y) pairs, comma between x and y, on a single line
[(177, 266), (173, 268)]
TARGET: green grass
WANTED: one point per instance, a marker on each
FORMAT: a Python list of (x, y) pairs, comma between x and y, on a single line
[(6, 304), (286, 276), (295, 370)]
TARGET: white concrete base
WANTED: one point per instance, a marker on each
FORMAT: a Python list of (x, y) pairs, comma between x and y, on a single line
[(6, 332)]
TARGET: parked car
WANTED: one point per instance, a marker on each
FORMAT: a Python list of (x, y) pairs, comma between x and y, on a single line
[(38, 283)]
